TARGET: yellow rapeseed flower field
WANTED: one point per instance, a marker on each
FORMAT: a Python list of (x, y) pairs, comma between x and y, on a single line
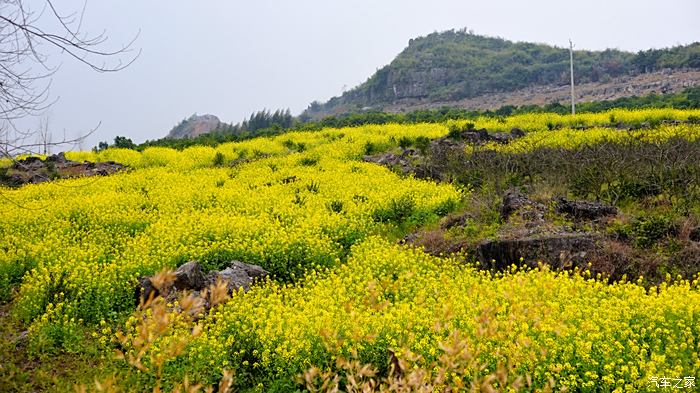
[(304, 206), (580, 332), (572, 139), (79, 245)]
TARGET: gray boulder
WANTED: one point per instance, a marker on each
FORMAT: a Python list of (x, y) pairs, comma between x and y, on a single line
[(584, 209), (515, 201), (237, 275), (59, 158), (189, 276), (516, 132), (501, 137)]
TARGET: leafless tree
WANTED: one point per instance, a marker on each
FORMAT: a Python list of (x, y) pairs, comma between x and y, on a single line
[(32, 32), (45, 135)]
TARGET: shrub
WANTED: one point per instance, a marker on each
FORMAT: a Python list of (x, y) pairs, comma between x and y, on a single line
[(455, 129), (398, 210), (11, 274), (405, 142), (309, 161), (219, 159), (370, 148), (313, 187), (644, 231), (422, 144), (335, 206)]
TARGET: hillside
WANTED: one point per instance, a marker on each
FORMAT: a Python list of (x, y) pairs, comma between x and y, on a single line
[(661, 83), (452, 66)]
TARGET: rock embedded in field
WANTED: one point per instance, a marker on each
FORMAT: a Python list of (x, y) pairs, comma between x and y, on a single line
[(34, 170), (475, 136), (515, 201), (145, 290), (528, 236), (190, 277), (59, 158), (584, 210), (516, 132), (481, 136), (501, 137), (237, 275), (401, 161)]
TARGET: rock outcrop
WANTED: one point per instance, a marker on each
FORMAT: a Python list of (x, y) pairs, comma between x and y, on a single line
[(428, 163), (403, 162), (195, 126), (584, 210), (515, 201), (34, 170), (237, 275), (561, 251), (528, 237)]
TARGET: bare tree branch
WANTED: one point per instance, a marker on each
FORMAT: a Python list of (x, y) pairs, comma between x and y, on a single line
[(25, 71)]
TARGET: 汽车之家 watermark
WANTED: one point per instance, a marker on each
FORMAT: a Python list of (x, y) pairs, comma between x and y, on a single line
[(672, 383)]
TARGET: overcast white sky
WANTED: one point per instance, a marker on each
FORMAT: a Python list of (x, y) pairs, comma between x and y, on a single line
[(230, 58)]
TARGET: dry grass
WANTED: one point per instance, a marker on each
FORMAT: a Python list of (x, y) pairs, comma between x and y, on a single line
[(456, 370), (153, 339)]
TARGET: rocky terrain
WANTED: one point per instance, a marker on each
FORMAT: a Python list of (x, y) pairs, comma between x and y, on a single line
[(34, 170), (532, 226), (662, 82)]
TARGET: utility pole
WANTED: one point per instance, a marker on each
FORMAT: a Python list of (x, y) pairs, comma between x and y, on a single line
[(571, 60)]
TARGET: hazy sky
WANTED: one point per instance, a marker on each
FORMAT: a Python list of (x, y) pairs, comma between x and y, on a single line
[(230, 58)]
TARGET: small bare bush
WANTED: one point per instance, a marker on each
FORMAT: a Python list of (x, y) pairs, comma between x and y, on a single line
[(159, 331)]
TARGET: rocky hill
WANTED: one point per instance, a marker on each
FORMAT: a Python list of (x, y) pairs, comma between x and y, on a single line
[(453, 67), (658, 82), (195, 126)]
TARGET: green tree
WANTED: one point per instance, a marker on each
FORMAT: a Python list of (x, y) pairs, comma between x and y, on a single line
[(124, 143)]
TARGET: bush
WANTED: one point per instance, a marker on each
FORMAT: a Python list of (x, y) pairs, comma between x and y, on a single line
[(370, 148), (309, 161), (645, 231), (219, 159), (455, 130), (398, 210), (648, 230), (613, 172), (335, 206), (422, 143), (11, 274), (405, 142)]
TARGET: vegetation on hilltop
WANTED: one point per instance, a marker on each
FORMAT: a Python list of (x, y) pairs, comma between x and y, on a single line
[(452, 65)]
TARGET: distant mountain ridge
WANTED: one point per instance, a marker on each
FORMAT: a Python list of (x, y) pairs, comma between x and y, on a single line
[(458, 65)]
